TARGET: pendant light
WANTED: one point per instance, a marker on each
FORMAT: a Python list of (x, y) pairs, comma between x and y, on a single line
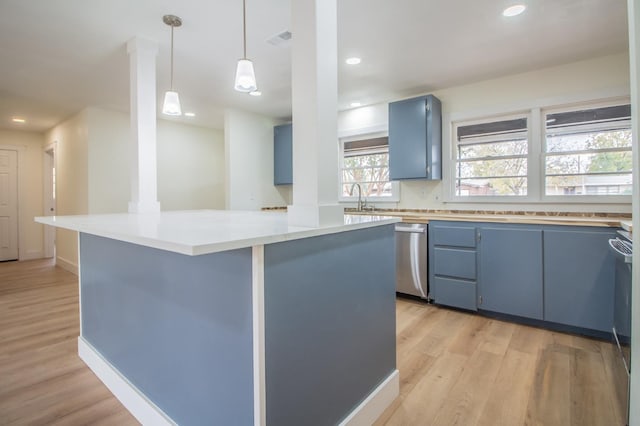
[(245, 77), (171, 104)]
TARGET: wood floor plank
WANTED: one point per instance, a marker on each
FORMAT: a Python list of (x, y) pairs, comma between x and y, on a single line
[(455, 367), (509, 395), (549, 400), (42, 379), (587, 375), (466, 400)]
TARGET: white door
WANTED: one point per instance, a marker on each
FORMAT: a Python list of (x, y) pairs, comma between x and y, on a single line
[(8, 205)]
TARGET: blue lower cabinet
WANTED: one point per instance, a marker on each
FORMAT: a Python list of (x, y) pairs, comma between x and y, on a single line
[(452, 264), (510, 271), (562, 275), (455, 292), (579, 274)]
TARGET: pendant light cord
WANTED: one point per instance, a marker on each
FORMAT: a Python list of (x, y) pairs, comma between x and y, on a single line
[(244, 28), (171, 58)]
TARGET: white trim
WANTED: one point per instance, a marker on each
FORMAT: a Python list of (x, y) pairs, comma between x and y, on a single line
[(79, 269), (67, 265), (145, 411), (32, 254), (257, 297), (371, 408), (361, 131), (49, 162)]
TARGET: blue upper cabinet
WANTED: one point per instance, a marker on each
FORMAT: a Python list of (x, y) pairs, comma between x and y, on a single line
[(415, 138), (283, 154)]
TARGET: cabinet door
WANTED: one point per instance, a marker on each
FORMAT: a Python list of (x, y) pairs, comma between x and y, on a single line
[(283, 154), (510, 271), (415, 138), (579, 273)]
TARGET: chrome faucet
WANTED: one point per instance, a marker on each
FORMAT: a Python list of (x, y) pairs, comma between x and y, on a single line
[(360, 203)]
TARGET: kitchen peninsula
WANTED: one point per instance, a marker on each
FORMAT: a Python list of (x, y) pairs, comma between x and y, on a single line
[(221, 317)]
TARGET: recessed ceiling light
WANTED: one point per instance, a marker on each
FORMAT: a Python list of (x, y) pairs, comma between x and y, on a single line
[(356, 104), (353, 61), (514, 10), (189, 114), (19, 120), (256, 93)]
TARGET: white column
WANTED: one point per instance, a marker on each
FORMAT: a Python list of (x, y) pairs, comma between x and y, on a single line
[(315, 114), (142, 77), (633, 9)]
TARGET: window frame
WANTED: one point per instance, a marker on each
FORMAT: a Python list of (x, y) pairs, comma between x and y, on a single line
[(536, 165), (361, 134), (588, 199), (453, 159)]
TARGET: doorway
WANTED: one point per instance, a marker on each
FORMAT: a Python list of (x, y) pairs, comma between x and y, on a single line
[(49, 201), (8, 205)]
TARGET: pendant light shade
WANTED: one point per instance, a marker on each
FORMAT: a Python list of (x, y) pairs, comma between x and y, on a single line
[(245, 76), (171, 105)]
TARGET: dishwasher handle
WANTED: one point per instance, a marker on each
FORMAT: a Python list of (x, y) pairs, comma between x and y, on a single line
[(412, 228)]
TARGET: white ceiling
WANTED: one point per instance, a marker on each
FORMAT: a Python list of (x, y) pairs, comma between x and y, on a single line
[(59, 56)]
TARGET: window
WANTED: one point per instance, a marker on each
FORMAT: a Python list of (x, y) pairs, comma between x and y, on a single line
[(570, 154), (366, 162), (588, 152), (491, 158)]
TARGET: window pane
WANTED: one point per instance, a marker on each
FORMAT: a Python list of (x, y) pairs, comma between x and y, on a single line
[(489, 187), (368, 169), (589, 141), (589, 185), (588, 152), (495, 149), (493, 168), (492, 158), (600, 162)]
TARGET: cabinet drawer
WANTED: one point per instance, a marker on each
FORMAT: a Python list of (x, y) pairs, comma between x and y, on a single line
[(457, 293), (454, 262), (456, 236)]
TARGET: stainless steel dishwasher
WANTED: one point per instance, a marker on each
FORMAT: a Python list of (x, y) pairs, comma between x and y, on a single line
[(411, 259)]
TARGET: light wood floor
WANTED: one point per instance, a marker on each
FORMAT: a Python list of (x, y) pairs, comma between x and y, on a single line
[(464, 369), (455, 368)]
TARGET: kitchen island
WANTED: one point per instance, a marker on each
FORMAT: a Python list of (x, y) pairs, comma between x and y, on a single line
[(219, 317)]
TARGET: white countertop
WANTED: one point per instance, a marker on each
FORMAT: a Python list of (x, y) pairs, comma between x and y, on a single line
[(198, 232)]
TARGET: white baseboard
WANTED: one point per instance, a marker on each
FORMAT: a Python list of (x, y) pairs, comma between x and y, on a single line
[(31, 255), (67, 265), (145, 411), (371, 408)]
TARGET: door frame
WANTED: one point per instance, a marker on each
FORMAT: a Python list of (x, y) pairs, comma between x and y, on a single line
[(49, 161)]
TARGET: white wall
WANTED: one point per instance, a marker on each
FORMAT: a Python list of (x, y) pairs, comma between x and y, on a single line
[(93, 169), (575, 82), (29, 146), (190, 164), (71, 139), (191, 167), (108, 155), (249, 163)]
